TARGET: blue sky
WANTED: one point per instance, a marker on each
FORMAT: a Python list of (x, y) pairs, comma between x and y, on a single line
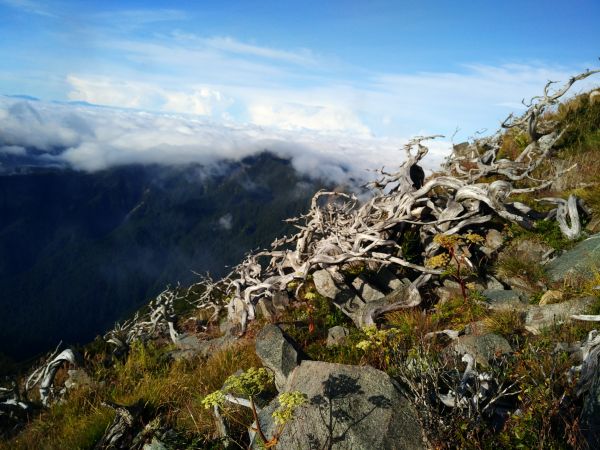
[(377, 69)]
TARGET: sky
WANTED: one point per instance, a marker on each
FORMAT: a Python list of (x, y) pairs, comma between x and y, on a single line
[(340, 80)]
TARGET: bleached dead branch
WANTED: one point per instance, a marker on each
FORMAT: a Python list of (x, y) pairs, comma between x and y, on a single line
[(44, 375), (338, 229)]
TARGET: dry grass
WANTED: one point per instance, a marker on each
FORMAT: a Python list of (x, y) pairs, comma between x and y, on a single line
[(77, 423), (172, 389), (508, 323)]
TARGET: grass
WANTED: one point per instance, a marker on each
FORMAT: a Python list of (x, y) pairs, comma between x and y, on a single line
[(173, 390), (76, 424), (512, 264), (508, 323), (457, 313)]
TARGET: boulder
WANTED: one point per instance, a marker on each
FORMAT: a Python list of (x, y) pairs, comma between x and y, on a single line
[(366, 291), (483, 347), (190, 346), (155, 444), (493, 241), (348, 407), (77, 378), (325, 284), (530, 250), (449, 290), (276, 353), (581, 260), (189, 342), (337, 335), (539, 317), (280, 301), (493, 284), (550, 297), (265, 308), (386, 278), (501, 300)]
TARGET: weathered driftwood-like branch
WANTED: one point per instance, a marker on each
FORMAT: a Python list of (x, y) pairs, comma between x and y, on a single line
[(339, 230), (159, 320), (566, 207), (44, 375), (537, 105)]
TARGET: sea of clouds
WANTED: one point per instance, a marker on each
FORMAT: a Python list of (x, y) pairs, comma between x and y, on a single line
[(91, 138)]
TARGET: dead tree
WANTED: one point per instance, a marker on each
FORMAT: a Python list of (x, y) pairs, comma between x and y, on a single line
[(44, 375), (338, 229), (474, 187)]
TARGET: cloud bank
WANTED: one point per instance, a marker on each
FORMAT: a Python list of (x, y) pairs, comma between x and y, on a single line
[(93, 138)]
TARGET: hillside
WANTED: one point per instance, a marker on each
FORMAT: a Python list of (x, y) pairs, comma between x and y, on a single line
[(80, 251), (457, 311)]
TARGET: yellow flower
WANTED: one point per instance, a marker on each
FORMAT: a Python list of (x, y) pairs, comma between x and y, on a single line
[(440, 260), (216, 398), (288, 402)]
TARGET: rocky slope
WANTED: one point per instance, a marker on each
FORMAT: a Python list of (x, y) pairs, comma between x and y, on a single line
[(454, 312)]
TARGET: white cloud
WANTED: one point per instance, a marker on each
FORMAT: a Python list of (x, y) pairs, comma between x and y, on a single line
[(297, 116), (139, 95), (29, 6), (201, 101), (478, 96), (96, 138), (231, 45)]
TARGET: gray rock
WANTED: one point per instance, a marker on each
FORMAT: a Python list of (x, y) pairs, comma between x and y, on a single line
[(324, 284), (580, 260), (189, 342), (522, 285), (530, 250), (265, 308), (349, 407), (483, 348), (539, 317), (189, 346), (367, 292), (449, 290), (386, 278), (337, 335), (281, 301), (359, 310), (493, 284), (77, 378), (155, 444), (479, 327), (276, 353), (505, 300), (494, 239)]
